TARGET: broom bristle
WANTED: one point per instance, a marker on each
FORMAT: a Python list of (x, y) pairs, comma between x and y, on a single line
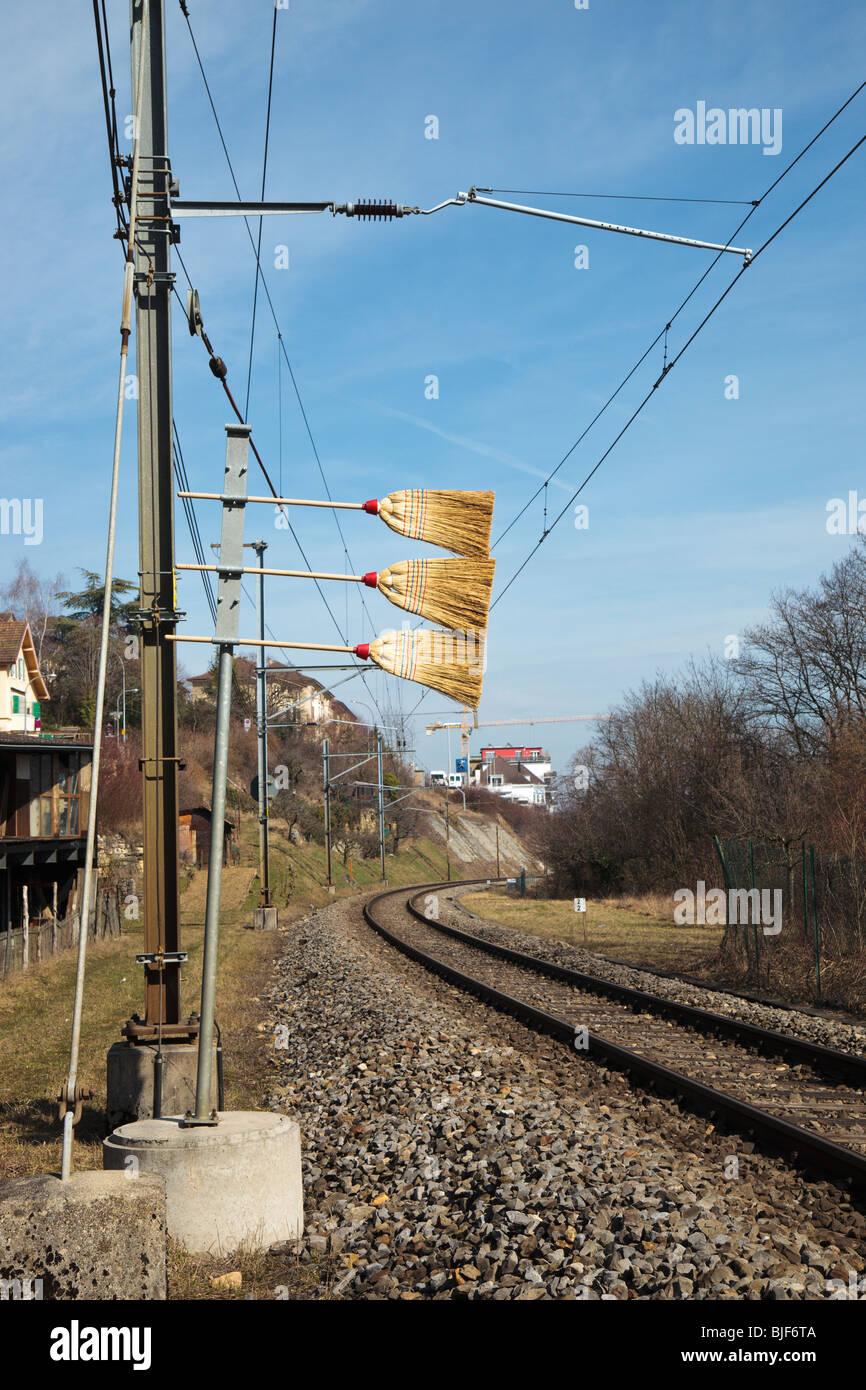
[(455, 593), (458, 521), (450, 662)]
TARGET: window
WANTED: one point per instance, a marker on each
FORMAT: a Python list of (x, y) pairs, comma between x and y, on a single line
[(56, 796), (495, 780)]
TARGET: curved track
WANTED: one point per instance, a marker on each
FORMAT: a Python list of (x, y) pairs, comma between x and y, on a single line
[(804, 1099)]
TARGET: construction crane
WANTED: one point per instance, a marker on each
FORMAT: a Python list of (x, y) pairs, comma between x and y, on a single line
[(469, 721)]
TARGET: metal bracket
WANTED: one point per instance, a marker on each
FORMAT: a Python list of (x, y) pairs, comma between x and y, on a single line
[(154, 277), (160, 959), (231, 556), (155, 616), (73, 1102)]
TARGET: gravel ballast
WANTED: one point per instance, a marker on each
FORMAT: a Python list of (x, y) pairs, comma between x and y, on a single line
[(815, 1027), (450, 1152)]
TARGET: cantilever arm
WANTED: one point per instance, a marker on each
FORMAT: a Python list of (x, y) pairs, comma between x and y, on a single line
[(473, 196)]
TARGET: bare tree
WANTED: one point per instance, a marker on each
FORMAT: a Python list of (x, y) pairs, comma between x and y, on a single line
[(35, 599)]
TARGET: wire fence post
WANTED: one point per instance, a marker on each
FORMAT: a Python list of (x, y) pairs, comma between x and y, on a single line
[(756, 940), (815, 927)]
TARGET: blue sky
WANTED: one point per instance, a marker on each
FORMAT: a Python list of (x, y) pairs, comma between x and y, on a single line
[(705, 506)]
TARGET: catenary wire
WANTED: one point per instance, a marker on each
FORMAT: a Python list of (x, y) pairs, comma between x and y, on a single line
[(680, 308), (295, 387), (658, 337), (675, 360), (622, 197), (261, 219)]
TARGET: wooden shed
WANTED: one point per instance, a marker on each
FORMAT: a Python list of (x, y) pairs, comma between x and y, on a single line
[(194, 835)]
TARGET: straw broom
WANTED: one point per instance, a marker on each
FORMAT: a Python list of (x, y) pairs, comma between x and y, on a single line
[(457, 521), (455, 593), (450, 662)]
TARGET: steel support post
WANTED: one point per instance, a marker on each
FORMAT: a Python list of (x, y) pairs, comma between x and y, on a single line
[(228, 605), (158, 616), (262, 733), (326, 779), (381, 805)]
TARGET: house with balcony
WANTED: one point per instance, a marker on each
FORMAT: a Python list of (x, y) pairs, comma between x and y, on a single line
[(293, 696), (517, 774), (44, 792), (22, 689)]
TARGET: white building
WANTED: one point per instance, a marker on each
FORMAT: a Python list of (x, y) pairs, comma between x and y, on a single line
[(22, 688), (513, 778)]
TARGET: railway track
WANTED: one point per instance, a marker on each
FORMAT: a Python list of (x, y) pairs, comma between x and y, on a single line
[(801, 1098)]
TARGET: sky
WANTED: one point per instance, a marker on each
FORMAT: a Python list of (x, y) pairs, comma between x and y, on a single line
[(472, 347)]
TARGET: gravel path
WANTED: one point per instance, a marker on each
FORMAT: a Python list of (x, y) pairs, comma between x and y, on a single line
[(848, 1037), (449, 1152)]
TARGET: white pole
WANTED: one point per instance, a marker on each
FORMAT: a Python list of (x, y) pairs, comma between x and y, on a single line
[(473, 197), (84, 915), (25, 921)]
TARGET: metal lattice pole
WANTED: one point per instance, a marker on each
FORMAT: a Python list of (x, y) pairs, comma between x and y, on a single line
[(228, 603), (262, 732)]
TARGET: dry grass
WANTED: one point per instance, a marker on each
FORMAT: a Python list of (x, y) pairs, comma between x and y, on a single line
[(638, 930), (787, 972), (263, 1276), (35, 1023)]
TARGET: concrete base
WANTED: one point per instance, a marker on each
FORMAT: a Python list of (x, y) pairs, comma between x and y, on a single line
[(129, 1081), (231, 1185), (97, 1235), (265, 918)]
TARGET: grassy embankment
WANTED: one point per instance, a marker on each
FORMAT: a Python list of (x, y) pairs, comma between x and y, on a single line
[(638, 930), (36, 1010)]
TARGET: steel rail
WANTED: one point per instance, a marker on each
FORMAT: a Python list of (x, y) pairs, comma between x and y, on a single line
[(797, 1144), (793, 1049)]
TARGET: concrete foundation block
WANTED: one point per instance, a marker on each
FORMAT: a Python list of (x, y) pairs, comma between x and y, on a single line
[(265, 918), (130, 1077), (231, 1185), (97, 1235)]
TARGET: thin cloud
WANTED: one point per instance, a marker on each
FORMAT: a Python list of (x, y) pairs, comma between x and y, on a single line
[(475, 446)]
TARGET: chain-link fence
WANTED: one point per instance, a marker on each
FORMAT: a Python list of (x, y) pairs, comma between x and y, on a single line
[(817, 902)]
